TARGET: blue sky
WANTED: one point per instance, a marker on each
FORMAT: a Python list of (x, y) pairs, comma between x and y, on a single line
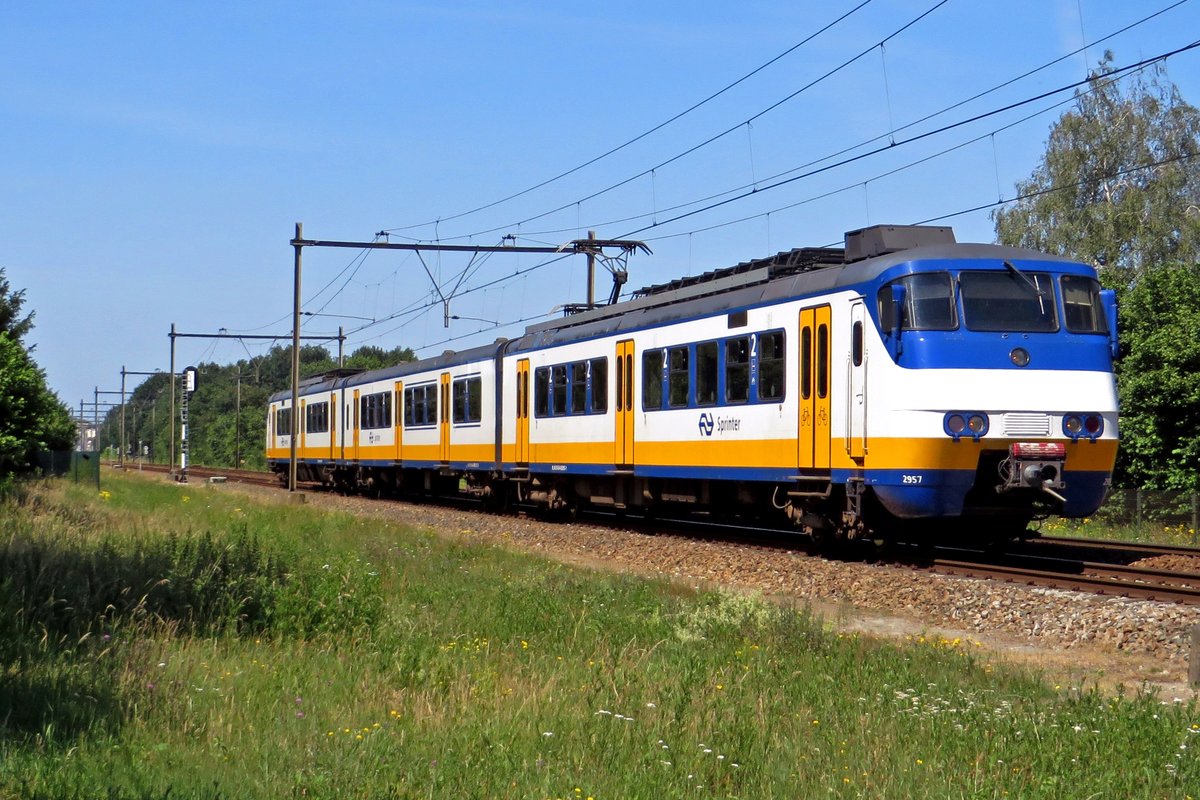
[(156, 156)]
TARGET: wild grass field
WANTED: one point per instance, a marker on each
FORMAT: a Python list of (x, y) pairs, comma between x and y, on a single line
[(162, 641)]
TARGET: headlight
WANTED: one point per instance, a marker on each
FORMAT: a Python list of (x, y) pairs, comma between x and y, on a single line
[(957, 424)]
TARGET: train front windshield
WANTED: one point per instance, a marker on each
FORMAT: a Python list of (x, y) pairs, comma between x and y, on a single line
[(1009, 301), (1021, 302)]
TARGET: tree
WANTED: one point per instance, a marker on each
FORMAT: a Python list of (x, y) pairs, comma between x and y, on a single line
[(10, 311), (1158, 384), (1119, 187), (31, 417)]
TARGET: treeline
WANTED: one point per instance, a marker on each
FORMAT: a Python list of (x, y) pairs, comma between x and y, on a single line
[(227, 412)]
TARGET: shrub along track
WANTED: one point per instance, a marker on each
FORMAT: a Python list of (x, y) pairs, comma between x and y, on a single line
[(1076, 636)]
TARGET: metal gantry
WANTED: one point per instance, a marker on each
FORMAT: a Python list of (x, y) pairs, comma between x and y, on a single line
[(592, 247)]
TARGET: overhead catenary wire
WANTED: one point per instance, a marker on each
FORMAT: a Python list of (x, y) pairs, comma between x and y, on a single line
[(858, 145), (1112, 75), (941, 217), (644, 134), (911, 139), (717, 137)]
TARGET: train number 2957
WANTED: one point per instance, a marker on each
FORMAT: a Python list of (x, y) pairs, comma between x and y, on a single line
[(910, 479)]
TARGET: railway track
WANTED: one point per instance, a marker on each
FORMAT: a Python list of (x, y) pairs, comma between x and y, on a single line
[(1050, 562), (1104, 578), (213, 474)]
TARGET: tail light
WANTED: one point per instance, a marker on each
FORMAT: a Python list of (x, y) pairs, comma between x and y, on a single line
[(1086, 426)]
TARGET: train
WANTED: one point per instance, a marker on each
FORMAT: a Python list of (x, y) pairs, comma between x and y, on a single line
[(902, 384)]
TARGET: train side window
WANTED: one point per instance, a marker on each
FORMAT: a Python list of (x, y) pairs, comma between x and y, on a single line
[(771, 366), (541, 392), (316, 418), (856, 347), (822, 361), (376, 410), (558, 390), (599, 372), (652, 379), (737, 370), (706, 374), (414, 406), (678, 377), (468, 393), (579, 387)]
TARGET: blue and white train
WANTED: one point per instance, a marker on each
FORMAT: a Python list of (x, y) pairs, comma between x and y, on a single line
[(903, 382)]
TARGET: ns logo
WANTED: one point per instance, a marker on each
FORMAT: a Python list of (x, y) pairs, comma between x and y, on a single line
[(706, 424)]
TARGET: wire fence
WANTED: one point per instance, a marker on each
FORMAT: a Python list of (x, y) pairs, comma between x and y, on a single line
[(1135, 506)]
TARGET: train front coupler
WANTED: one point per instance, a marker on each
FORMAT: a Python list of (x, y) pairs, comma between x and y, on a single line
[(1034, 465)]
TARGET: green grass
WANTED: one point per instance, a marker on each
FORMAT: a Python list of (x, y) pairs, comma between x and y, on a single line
[(188, 642)]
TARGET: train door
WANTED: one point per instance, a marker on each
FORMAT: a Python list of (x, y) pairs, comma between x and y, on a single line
[(344, 430), (444, 419), (354, 430), (303, 427), (397, 426), (623, 449), (333, 429), (814, 438), (856, 397), (523, 411)]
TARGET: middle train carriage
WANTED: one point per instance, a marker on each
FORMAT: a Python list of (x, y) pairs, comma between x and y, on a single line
[(904, 379)]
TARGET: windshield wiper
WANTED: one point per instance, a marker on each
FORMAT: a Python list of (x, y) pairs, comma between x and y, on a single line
[(1031, 283)]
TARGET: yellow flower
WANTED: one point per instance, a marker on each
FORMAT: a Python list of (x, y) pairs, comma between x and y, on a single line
[(919, 761)]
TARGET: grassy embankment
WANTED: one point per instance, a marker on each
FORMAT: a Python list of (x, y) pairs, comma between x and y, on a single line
[(158, 641)]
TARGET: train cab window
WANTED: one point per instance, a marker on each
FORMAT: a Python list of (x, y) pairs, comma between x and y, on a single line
[(652, 379), (1082, 308), (558, 390), (579, 387), (737, 370), (541, 392), (599, 391), (928, 303), (1009, 301), (283, 422), (706, 374), (771, 367), (677, 377)]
